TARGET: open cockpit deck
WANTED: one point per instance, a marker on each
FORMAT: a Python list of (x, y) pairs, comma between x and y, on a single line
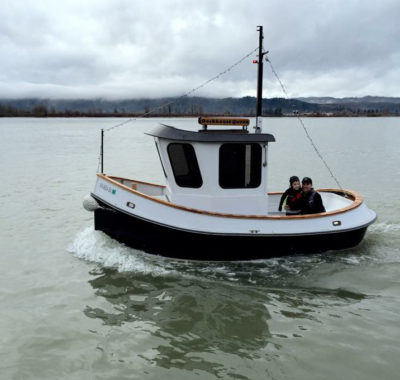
[(335, 200)]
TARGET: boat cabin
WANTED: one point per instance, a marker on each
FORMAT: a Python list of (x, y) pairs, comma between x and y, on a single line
[(215, 170)]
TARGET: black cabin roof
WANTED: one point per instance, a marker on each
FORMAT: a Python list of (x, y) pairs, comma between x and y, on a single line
[(172, 133)]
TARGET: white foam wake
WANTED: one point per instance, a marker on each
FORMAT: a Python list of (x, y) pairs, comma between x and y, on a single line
[(384, 227), (97, 247)]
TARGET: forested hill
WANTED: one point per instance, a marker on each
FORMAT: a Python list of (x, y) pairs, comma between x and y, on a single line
[(193, 106)]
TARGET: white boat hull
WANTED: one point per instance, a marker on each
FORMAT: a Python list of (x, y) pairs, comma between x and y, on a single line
[(148, 222)]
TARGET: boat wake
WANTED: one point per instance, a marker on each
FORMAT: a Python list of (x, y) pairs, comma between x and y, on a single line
[(384, 227), (383, 243), (96, 247)]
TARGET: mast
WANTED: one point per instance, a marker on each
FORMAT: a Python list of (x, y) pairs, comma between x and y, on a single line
[(102, 151), (260, 81)]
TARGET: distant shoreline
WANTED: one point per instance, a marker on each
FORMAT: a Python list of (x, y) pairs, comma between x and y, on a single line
[(134, 115), (197, 106)]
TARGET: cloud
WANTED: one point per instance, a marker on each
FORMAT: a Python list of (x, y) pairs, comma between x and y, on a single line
[(153, 48)]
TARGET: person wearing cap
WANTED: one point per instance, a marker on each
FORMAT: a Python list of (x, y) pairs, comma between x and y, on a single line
[(291, 198), (311, 201)]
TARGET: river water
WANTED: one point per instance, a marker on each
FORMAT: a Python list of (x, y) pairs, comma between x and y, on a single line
[(77, 305)]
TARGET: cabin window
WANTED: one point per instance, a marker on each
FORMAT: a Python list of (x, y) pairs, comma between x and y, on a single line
[(184, 165), (240, 166)]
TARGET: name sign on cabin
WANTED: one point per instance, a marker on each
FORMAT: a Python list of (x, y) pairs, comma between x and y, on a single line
[(224, 121)]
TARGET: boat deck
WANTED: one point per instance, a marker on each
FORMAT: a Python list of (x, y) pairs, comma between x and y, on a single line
[(333, 199)]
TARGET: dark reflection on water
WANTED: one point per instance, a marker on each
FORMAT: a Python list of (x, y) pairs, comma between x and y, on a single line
[(191, 316), (199, 318)]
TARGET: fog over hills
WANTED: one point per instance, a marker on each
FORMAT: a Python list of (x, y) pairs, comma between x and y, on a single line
[(192, 106), (365, 99)]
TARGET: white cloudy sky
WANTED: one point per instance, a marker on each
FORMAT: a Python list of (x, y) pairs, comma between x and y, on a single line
[(154, 48)]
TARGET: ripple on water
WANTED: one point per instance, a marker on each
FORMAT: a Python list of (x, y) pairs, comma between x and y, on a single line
[(192, 315)]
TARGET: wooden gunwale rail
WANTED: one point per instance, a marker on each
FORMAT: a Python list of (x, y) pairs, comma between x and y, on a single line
[(354, 196)]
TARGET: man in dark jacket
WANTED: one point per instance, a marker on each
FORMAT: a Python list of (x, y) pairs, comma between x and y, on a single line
[(311, 202)]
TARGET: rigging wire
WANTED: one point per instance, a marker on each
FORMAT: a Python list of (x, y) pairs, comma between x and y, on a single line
[(179, 98), (304, 127), (186, 94)]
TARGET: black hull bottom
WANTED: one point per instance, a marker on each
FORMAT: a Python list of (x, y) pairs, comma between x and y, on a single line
[(165, 241)]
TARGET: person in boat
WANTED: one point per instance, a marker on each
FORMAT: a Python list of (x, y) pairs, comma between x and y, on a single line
[(311, 201), (291, 198)]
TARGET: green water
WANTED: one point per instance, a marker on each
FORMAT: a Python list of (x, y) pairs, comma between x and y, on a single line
[(76, 304)]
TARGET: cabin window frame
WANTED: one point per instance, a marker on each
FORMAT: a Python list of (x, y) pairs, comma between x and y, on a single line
[(186, 172), (161, 160), (243, 171)]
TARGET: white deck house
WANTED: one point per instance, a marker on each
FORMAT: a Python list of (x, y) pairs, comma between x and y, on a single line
[(215, 170)]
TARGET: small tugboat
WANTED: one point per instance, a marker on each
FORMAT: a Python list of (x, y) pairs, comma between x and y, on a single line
[(215, 204)]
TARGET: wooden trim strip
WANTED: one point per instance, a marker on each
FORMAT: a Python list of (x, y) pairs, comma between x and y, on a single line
[(134, 180), (354, 196)]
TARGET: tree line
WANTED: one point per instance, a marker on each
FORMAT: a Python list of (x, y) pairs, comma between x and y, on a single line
[(172, 107)]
